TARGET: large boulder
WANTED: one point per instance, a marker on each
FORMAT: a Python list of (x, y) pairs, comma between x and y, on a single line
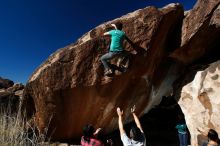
[(171, 51), (69, 89)]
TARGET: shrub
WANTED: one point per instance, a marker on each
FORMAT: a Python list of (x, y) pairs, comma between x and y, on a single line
[(16, 131)]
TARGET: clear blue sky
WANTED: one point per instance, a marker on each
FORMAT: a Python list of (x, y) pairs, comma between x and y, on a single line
[(31, 30)]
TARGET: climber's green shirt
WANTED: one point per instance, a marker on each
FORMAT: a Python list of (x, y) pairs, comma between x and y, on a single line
[(117, 37), (181, 128)]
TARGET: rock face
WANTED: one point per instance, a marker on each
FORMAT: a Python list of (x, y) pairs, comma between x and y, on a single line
[(200, 101), (199, 47), (69, 89), (10, 95), (200, 32), (5, 83)]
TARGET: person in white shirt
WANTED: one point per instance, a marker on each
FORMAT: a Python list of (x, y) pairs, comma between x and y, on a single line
[(137, 136)]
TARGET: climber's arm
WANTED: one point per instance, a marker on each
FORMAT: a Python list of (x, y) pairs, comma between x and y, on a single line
[(106, 33), (129, 41), (120, 123), (136, 119), (203, 132), (97, 131), (136, 47)]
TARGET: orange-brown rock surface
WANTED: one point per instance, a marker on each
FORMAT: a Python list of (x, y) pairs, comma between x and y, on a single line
[(199, 31), (69, 89)]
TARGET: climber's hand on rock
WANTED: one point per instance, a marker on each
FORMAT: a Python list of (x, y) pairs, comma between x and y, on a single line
[(204, 131), (119, 112), (133, 109), (97, 131), (110, 142)]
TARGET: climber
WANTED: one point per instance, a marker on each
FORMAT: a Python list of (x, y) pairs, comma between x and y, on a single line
[(116, 48), (212, 135), (137, 137), (182, 130), (89, 137)]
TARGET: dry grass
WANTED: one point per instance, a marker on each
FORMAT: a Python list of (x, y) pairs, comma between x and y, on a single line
[(15, 131)]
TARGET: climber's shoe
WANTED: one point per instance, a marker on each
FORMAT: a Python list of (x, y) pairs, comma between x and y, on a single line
[(108, 72)]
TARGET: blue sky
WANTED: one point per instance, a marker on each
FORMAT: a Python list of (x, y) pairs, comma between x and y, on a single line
[(31, 30)]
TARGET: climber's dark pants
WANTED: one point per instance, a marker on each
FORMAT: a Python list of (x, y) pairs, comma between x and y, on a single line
[(110, 55), (183, 139)]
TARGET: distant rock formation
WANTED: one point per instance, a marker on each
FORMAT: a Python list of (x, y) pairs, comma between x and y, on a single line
[(69, 89), (10, 96), (5, 83)]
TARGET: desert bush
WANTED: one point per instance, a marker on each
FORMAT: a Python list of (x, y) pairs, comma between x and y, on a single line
[(16, 131)]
